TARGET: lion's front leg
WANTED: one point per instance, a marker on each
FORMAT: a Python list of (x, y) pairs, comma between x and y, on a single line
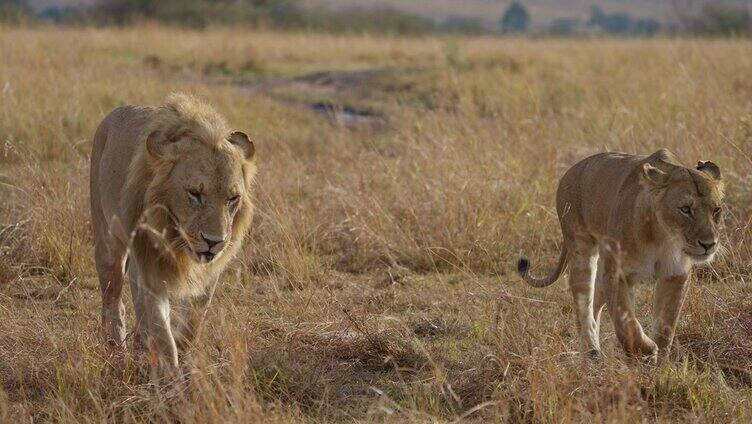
[(155, 324), (621, 307), (190, 316), (153, 328), (109, 270), (669, 296)]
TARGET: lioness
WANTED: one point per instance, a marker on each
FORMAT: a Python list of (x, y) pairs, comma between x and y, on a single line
[(633, 218), (170, 205)]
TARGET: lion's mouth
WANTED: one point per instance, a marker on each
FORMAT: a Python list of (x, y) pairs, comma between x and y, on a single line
[(201, 257), (699, 257), (206, 257)]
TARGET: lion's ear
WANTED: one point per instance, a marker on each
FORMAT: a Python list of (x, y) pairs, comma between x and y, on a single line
[(155, 144), (709, 168), (240, 140), (160, 144), (653, 176)]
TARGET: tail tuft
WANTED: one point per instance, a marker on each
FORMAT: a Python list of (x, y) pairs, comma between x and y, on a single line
[(522, 266)]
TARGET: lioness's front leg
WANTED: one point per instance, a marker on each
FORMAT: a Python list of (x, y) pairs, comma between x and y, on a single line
[(668, 300), (621, 307)]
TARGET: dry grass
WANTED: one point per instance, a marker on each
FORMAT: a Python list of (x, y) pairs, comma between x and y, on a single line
[(378, 283)]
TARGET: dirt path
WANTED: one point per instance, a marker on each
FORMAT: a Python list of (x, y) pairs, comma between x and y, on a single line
[(342, 96)]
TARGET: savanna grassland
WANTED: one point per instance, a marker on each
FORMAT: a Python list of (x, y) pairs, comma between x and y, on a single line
[(399, 181)]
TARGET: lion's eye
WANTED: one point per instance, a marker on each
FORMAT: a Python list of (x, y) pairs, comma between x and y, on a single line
[(717, 214), (195, 196), (686, 210), (233, 201)]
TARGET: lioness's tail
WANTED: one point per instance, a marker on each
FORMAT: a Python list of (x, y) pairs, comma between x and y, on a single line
[(523, 267)]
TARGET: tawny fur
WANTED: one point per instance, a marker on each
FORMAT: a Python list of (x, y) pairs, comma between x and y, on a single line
[(629, 218), (142, 215)]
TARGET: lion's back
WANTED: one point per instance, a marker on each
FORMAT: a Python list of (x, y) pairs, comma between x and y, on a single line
[(115, 144)]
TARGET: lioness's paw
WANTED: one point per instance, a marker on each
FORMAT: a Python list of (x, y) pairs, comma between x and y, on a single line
[(594, 354), (639, 345), (645, 349)]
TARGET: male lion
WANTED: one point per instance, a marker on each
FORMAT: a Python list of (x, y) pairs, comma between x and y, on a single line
[(170, 205), (633, 218)]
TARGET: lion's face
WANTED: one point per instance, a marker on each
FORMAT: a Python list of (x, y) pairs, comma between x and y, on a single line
[(205, 191), (689, 205)]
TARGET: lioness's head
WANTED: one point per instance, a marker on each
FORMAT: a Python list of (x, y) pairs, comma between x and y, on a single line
[(688, 204), (202, 178)]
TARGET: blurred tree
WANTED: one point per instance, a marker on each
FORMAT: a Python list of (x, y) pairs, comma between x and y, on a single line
[(596, 16), (622, 23), (611, 23), (267, 13), (56, 14), (15, 11), (564, 26), (724, 19), (463, 25), (716, 18), (515, 19), (195, 13), (121, 11), (646, 27)]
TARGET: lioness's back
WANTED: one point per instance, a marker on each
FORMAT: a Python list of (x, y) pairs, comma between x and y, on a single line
[(591, 188), (626, 219)]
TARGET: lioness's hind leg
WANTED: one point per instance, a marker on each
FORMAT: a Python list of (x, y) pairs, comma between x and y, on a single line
[(583, 263), (111, 284), (599, 298)]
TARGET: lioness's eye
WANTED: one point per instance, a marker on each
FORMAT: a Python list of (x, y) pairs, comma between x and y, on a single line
[(686, 210), (194, 195)]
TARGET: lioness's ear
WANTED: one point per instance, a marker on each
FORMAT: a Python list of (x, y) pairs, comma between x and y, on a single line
[(665, 156), (709, 168), (653, 176), (241, 141)]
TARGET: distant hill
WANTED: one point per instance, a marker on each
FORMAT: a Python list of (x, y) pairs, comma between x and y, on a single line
[(542, 11), (488, 12), (40, 5), (438, 9)]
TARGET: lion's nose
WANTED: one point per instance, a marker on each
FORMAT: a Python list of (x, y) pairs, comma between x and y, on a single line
[(707, 245), (212, 241)]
